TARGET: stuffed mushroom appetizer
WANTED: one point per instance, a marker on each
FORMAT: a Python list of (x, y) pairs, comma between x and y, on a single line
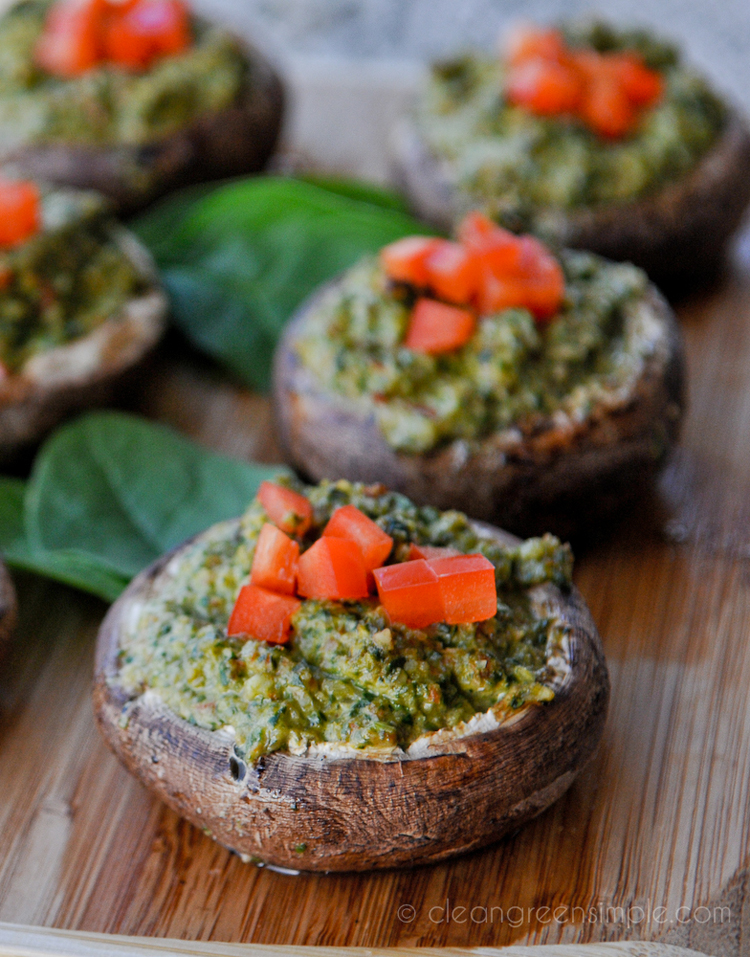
[(534, 391), (80, 305), (131, 97), (341, 680), (590, 137)]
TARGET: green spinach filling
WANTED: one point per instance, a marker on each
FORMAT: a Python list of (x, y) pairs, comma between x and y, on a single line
[(108, 105), (526, 169), (348, 676), (511, 373), (64, 282)]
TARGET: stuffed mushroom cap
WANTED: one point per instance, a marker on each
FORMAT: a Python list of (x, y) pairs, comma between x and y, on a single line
[(567, 469), (211, 111), (81, 307), (335, 806), (667, 196)]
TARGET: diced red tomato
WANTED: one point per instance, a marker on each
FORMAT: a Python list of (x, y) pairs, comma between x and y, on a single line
[(20, 212), (71, 43), (332, 568), (428, 552), (496, 248), (452, 272), (288, 510), (642, 85), (79, 35), (145, 31), (467, 588), (263, 615), (545, 87), (275, 561), (607, 108), (406, 259), (435, 327), (348, 522), (527, 42), (410, 593), (501, 292), (536, 282), (604, 90)]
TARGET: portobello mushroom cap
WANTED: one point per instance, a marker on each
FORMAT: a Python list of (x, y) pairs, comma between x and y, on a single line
[(557, 475), (85, 371), (338, 808), (679, 231), (8, 609), (230, 142)]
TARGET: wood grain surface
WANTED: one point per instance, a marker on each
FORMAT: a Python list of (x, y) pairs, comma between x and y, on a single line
[(661, 819), (19, 941)]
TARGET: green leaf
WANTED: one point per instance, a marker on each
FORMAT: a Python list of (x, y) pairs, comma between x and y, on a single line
[(357, 189), (78, 570), (237, 261), (111, 492)]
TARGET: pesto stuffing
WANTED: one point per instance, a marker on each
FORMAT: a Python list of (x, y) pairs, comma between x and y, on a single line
[(109, 105), (511, 373), (348, 676), (526, 170), (65, 281)]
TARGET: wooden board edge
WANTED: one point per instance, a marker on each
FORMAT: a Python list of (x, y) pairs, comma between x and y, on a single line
[(18, 940)]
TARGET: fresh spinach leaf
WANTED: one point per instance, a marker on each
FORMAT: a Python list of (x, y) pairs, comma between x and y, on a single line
[(72, 568), (111, 492), (238, 260), (357, 189)]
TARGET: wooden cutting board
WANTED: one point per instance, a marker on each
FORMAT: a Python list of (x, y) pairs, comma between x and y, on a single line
[(650, 842)]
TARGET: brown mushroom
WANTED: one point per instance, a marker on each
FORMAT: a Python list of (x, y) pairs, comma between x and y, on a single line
[(678, 231), (87, 370), (236, 140), (556, 475), (340, 809)]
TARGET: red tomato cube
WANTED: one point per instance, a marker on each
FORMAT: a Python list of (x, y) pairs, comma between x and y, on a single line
[(405, 260), (147, 30), (545, 87), (467, 588), (643, 86), (288, 510), (529, 42), (410, 593), (607, 109), (430, 551), (435, 327), (497, 249), (263, 615), (275, 561), (71, 41), (20, 212), (332, 568), (348, 522), (453, 272)]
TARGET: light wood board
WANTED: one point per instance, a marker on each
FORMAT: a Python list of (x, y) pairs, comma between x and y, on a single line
[(661, 819), (20, 941)]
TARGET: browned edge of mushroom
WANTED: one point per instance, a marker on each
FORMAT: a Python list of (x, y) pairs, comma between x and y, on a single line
[(566, 478), (348, 811), (87, 370), (679, 230), (231, 142), (8, 609)]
